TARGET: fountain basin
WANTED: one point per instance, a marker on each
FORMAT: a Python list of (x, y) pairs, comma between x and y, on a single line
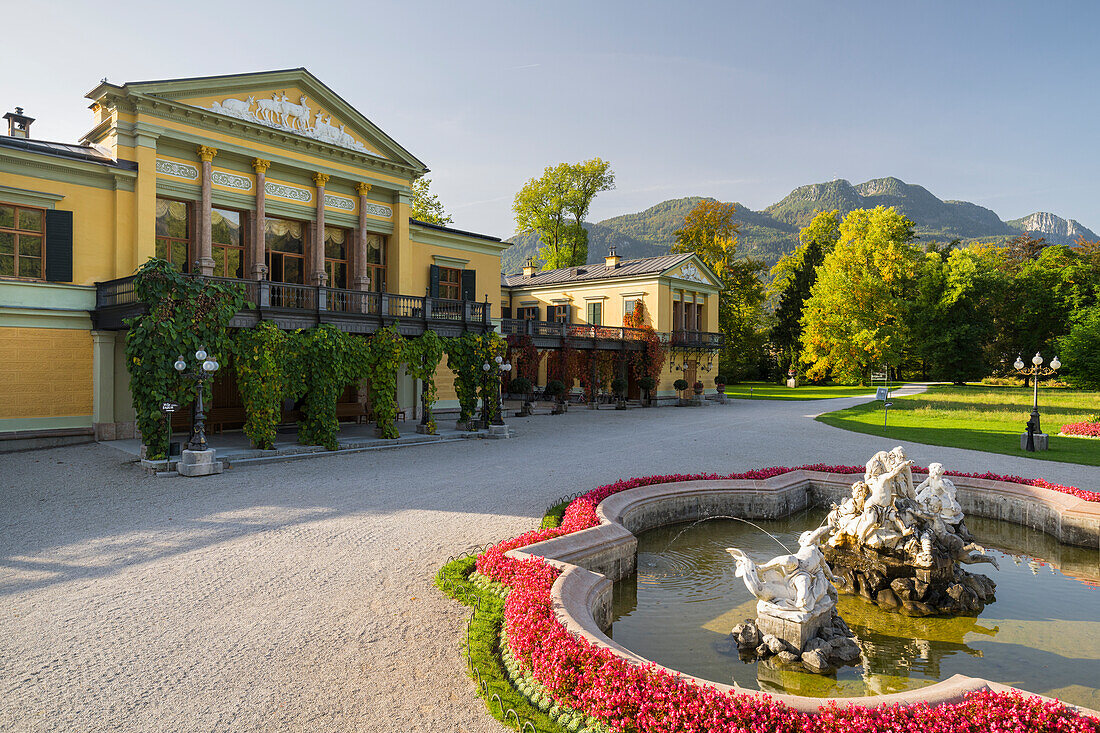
[(591, 559)]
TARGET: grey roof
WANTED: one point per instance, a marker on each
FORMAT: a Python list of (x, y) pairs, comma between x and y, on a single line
[(584, 273), (452, 230), (64, 150)]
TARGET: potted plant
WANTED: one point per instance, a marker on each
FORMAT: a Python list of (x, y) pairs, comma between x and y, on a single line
[(555, 388), (522, 386), (647, 385), (618, 388), (792, 377), (720, 387), (697, 388), (680, 385)]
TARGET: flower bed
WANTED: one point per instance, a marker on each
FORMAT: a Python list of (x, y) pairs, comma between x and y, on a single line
[(594, 682), (1085, 429)]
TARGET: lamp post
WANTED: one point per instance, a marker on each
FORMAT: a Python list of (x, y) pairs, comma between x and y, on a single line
[(1035, 371), (203, 369), (497, 365)]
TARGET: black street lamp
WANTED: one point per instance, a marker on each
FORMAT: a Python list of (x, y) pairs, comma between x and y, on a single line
[(1035, 371), (204, 369), (497, 366)]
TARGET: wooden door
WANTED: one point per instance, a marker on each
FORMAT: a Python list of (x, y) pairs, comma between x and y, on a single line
[(689, 374)]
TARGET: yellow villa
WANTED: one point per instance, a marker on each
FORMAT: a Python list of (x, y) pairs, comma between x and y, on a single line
[(587, 305), (267, 178)]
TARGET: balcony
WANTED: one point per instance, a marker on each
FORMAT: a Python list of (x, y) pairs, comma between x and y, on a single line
[(302, 306), (551, 335)]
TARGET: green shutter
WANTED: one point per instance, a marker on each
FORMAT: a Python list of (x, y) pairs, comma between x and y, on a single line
[(469, 285), (59, 246), (433, 281)]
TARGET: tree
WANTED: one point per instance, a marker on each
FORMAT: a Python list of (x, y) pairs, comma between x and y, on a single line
[(855, 317), (1024, 247), (952, 319), (792, 278), (711, 233), (426, 205), (1081, 349), (554, 207)]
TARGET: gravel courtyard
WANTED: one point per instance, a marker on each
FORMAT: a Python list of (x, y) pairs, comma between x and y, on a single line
[(298, 596)]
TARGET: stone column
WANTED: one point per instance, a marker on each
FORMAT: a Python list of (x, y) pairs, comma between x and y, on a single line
[(259, 247), (204, 263), (319, 276), (362, 278)]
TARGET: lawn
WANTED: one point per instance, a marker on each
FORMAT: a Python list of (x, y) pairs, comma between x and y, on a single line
[(980, 418), (768, 391)]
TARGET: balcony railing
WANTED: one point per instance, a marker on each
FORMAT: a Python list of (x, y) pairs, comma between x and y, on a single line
[(696, 340), (117, 299)]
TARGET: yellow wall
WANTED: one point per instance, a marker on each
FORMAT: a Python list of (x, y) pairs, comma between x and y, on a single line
[(46, 372), (616, 294), (96, 214)]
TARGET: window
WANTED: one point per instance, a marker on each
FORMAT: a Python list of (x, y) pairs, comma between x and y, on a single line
[(227, 235), (286, 245), (336, 256), (375, 266), (528, 313), (21, 252), (558, 313), (450, 283), (595, 312), (174, 233)]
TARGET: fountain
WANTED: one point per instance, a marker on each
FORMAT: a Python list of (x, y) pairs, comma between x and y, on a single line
[(896, 545)]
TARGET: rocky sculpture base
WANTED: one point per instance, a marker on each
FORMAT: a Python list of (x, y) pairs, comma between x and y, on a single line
[(828, 648), (941, 588)]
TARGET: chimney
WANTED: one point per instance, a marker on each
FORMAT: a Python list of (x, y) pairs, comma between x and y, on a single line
[(19, 125), (612, 260), (529, 267)]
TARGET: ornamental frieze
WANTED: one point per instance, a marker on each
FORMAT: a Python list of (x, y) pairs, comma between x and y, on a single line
[(284, 114), (288, 192), (178, 170), (378, 210), (339, 202), (231, 180), (691, 272)]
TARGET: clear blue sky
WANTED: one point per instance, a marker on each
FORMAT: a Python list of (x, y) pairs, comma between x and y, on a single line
[(990, 102)]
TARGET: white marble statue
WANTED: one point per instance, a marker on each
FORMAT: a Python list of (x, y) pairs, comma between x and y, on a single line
[(936, 494), (795, 587)]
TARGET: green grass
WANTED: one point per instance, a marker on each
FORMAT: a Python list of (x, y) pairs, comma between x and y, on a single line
[(980, 418), (768, 391)]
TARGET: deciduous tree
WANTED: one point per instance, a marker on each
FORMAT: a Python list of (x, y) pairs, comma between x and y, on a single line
[(426, 205), (554, 207), (855, 317)]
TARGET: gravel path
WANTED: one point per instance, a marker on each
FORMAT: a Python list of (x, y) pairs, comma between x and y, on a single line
[(298, 596)]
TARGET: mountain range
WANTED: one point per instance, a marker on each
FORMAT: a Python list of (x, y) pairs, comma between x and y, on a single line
[(773, 232)]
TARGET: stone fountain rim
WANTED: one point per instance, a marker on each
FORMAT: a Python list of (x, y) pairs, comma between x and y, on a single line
[(578, 591)]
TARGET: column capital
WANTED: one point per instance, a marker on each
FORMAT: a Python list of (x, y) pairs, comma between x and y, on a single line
[(362, 188), (207, 153), (260, 165), (320, 179)]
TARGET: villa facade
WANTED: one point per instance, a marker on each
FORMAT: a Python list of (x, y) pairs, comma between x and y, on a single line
[(270, 179)]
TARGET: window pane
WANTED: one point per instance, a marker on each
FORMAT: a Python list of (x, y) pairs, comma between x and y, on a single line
[(7, 265), (172, 218), (292, 270), (336, 243), (338, 275), (30, 267), (234, 259), (283, 235), (162, 249), (179, 256), (7, 216), (7, 243), (225, 226), (30, 219), (374, 249), (30, 245)]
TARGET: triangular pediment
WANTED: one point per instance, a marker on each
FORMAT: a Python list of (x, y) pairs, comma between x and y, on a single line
[(292, 101), (694, 270)]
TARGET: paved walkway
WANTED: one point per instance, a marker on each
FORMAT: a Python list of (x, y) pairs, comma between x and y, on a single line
[(297, 596)]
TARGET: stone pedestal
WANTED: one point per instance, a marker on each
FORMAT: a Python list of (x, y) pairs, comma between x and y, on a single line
[(795, 633), (499, 431), (198, 463), (792, 383), (423, 429), (1041, 441)]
